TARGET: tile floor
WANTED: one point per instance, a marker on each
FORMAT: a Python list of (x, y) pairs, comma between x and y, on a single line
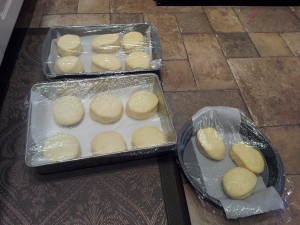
[(245, 57)]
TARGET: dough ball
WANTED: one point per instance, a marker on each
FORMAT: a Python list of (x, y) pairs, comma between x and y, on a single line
[(106, 108), (142, 105), (210, 143), (137, 60), (246, 156), (69, 44), (61, 147), (67, 110), (108, 142), (148, 136), (106, 43), (105, 62), (68, 64), (239, 183), (133, 41)]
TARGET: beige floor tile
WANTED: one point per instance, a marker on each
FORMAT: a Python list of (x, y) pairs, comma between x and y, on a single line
[(270, 44), (237, 45), (268, 19), (184, 104), (61, 6), (296, 10), (141, 6), (287, 142), (293, 41), (93, 6), (270, 87), (208, 62), (177, 76), (169, 34), (125, 18), (202, 212), (291, 214), (75, 19), (193, 23), (223, 19)]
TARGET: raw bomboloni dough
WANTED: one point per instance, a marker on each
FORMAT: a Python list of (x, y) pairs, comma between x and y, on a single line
[(142, 105), (148, 136), (69, 44), (108, 142), (68, 64), (239, 183), (106, 108), (67, 110), (105, 62), (137, 60), (210, 143), (133, 41), (61, 147), (246, 156), (106, 43)]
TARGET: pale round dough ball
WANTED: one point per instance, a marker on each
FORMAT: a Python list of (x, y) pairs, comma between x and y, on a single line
[(246, 156), (106, 43), (105, 62), (69, 44), (68, 64), (210, 143), (106, 108), (133, 41), (239, 183), (67, 110), (108, 142), (142, 105), (60, 147), (148, 136), (137, 60)]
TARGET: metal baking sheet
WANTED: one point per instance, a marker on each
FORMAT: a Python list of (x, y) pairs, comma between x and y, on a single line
[(41, 123), (87, 33)]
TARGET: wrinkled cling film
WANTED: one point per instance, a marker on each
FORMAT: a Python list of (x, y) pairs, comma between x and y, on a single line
[(41, 124), (50, 55), (206, 175)]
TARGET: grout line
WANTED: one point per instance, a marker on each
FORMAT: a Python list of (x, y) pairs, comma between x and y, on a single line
[(281, 35)]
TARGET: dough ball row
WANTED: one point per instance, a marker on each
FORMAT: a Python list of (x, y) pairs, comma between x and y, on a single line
[(104, 108), (239, 182), (69, 47), (63, 146)]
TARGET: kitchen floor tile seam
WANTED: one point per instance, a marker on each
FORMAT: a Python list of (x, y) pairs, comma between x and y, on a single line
[(222, 54), (250, 40), (281, 35)]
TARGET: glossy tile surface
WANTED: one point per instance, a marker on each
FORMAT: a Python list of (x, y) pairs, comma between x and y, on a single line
[(169, 34), (237, 45), (223, 19), (270, 44), (208, 62), (93, 6), (286, 140), (268, 19), (124, 18), (270, 87), (61, 6), (293, 41), (190, 23)]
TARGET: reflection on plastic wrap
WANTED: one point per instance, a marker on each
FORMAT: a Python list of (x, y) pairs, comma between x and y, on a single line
[(104, 104), (206, 174), (104, 49)]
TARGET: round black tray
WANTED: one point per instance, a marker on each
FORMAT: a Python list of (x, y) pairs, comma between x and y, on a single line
[(275, 167)]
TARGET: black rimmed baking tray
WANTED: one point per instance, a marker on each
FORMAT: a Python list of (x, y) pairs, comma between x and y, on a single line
[(250, 134), (41, 124), (87, 33)]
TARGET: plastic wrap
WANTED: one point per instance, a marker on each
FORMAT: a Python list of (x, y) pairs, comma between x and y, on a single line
[(205, 175), (42, 125), (87, 33)]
